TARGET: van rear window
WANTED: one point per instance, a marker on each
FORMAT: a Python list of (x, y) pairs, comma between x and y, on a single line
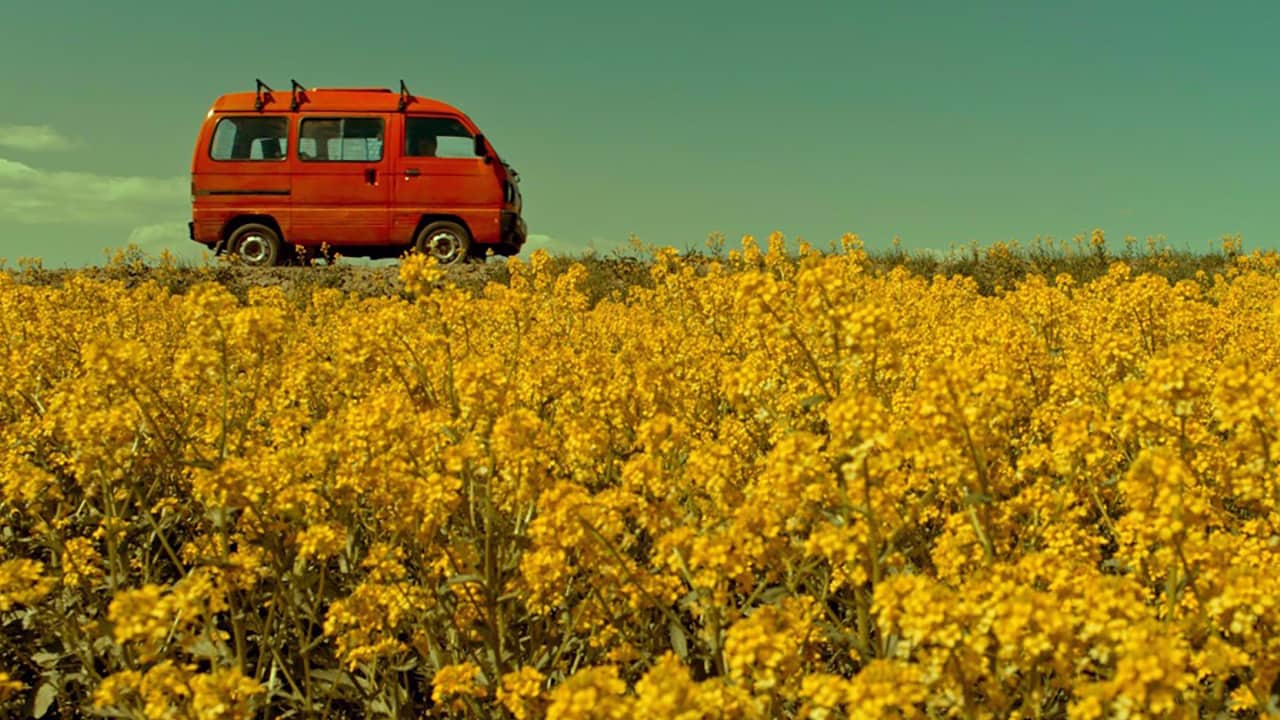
[(356, 139), (250, 138)]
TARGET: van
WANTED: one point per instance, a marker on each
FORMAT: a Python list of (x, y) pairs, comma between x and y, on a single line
[(365, 172)]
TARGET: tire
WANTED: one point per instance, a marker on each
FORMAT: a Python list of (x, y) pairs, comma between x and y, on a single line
[(448, 242), (257, 245)]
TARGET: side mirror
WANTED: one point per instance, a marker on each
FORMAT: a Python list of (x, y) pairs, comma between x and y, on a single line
[(482, 150)]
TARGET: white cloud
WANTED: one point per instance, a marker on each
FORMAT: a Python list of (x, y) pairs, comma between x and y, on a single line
[(555, 246), (929, 252), (32, 196), (10, 169), (32, 137), (158, 235), (156, 238)]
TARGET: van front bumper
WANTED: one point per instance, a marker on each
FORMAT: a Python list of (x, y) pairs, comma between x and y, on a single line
[(514, 230)]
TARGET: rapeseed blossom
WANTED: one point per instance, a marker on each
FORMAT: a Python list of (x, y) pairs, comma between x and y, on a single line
[(762, 485)]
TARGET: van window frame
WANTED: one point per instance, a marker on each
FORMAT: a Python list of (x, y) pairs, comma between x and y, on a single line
[(213, 135), (386, 127)]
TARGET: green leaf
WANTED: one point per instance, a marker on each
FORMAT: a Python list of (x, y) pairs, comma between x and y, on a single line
[(679, 642), (405, 666), (333, 678), (773, 595), (203, 648), (464, 578), (813, 400), (44, 698)]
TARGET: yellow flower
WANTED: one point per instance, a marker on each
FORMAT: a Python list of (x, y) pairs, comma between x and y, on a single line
[(320, 541), (590, 694), (769, 648), (22, 583), (9, 687), (454, 680), (520, 692), (224, 694)]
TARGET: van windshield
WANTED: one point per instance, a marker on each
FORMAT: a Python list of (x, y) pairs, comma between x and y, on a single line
[(443, 137)]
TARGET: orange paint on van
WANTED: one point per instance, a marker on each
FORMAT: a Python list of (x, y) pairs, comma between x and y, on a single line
[(364, 171)]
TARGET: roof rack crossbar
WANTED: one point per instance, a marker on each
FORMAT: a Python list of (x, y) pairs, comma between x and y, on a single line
[(261, 98), (405, 97), (298, 94)]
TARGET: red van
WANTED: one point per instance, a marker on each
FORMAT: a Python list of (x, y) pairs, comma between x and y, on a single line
[(366, 172)]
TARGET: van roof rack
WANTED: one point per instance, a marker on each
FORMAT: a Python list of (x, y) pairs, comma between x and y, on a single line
[(405, 97), (261, 98), (298, 95)]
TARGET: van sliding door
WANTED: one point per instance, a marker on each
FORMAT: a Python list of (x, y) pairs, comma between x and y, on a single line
[(341, 188)]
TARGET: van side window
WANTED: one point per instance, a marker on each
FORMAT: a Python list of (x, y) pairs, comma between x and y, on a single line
[(437, 137), (250, 138), (356, 139)]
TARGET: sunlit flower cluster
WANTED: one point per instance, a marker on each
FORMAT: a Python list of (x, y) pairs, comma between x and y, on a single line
[(764, 484)]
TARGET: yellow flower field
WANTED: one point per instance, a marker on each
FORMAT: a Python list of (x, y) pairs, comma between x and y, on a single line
[(765, 486)]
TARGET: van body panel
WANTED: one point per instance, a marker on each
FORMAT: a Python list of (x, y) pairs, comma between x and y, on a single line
[(345, 167), (340, 206)]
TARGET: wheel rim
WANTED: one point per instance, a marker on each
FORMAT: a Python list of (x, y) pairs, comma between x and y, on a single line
[(445, 247), (254, 249)]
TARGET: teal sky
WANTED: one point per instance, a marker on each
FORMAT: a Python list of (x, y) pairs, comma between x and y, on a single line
[(938, 122)]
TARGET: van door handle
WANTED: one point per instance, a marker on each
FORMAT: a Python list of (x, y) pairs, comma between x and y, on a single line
[(371, 176), (412, 172)]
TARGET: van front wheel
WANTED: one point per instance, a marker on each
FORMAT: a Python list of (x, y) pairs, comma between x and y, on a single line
[(448, 242), (257, 245)]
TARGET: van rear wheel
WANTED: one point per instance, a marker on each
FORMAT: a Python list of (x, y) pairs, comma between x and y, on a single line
[(256, 245), (448, 242)]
